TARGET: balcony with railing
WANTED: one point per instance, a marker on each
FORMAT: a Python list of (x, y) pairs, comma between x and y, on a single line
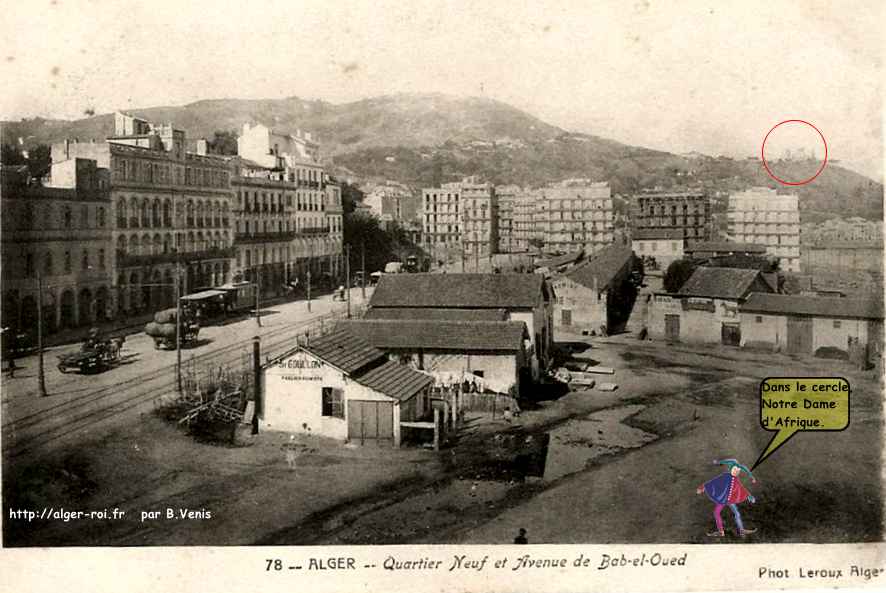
[(314, 230), (127, 260), (272, 237)]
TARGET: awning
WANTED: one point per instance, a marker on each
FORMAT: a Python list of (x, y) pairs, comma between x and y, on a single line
[(202, 296)]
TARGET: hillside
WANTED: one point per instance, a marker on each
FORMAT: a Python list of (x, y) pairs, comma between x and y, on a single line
[(425, 139), (836, 192), (392, 120)]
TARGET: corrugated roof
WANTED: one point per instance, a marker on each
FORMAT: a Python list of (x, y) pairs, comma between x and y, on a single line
[(440, 335), (437, 314), (659, 234), (726, 246), (395, 380), (343, 350), (724, 283), (790, 304), (470, 291), (603, 265)]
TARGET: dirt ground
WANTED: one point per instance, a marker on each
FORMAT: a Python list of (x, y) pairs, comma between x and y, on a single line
[(581, 467)]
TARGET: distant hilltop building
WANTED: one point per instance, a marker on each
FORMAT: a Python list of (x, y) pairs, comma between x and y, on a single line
[(763, 217)]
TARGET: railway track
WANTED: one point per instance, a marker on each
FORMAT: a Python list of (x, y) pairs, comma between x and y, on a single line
[(47, 427)]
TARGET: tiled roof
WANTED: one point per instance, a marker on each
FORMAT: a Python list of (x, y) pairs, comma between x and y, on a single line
[(463, 291), (726, 283), (659, 234), (438, 314), (726, 246), (395, 380), (817, 306), (603, 265), (343, 350), (440, 335)]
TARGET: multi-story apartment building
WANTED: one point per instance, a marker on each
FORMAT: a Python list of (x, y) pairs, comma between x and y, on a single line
[(657, 214), (287, 214), (479, 223), (763, 217), (574, 215), (507, 196), (57, 238), (169, 212), (393, 202), (523, 224), (441, 221)]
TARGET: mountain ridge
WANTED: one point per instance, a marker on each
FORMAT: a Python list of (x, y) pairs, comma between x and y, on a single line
[(427, 138)]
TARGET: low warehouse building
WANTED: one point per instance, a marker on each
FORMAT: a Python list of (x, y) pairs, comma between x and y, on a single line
[(525, 297), (810, 325), (340, 387), (492, 351), (705, 310), (598, 294)]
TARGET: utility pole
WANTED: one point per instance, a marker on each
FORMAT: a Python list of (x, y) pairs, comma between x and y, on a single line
[(41, 378), (256, 380), (178, 327), (258, 295), (363, 267), (348, 275)]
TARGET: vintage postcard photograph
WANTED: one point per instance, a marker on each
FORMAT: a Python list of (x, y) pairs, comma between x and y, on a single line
[(442, 295)]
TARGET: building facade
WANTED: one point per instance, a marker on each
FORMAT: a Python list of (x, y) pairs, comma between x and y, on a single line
[(688, 213), (574, 215), (287, 212), (57, 239), (170, 212), (763, 217), (479, 223), (658, 247), (441, 221)]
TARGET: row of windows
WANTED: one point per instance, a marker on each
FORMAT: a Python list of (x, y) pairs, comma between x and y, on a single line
[(256, 201), (48, 267), (146, 213), (266, 255), (24, 217), (143, 171), (160, 244)]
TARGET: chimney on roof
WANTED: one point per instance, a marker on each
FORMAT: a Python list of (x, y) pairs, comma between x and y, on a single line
[(202, 146)]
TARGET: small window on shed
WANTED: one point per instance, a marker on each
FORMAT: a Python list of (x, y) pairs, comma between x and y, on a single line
[(479, 373), (332, 402), (836, 324), (759, 319)]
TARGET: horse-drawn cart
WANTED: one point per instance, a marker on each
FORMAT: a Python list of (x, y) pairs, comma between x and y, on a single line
[(94, 356)]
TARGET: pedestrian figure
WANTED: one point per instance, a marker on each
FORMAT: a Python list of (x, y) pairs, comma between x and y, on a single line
[(291, 453), (727, 490), (521, 537)]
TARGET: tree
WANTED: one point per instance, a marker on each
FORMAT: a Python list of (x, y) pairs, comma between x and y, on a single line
[(538, 243), (350, 195), (11, 155), (39, 160), (223, 142), (678, 273)]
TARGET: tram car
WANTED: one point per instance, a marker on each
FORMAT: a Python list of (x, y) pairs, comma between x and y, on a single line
[(239, 296)]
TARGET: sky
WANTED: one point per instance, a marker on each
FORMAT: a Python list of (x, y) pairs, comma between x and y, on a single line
[(712, 77)]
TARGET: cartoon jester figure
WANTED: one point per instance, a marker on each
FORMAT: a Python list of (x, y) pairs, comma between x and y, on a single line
[(727, 490)]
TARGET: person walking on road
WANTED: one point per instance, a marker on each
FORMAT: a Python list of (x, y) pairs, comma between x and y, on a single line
[(521, 537)]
